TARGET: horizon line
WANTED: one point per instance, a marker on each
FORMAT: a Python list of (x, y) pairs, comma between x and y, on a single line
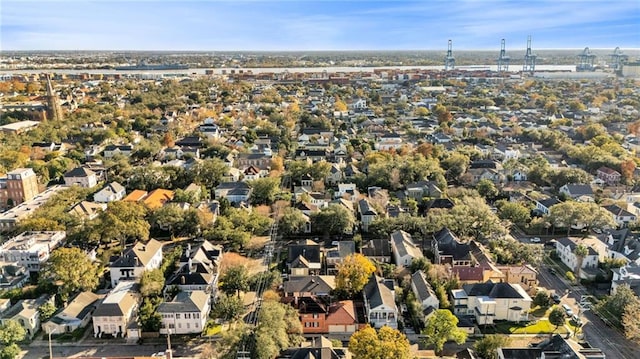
[(320, 50)]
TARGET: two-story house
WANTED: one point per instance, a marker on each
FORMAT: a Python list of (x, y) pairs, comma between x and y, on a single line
[(187, 313), (31, 249), (621, 216), (77, 314), (380, 302), (448, 249), (135, 260), (82, 177), (608, 175), (565, 248), (25, 312), (367, 213), (578, 192), (334, 256), (114, 191), (489, 301), (424, 293), (305, 258), (117, 311), (403, 249)]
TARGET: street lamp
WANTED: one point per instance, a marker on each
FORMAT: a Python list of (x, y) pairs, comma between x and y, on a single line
[(50, 348)]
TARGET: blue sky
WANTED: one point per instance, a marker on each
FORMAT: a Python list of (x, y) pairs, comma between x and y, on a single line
[(316, 25)]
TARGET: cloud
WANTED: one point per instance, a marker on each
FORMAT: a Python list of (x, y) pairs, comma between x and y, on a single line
[(315, 25)]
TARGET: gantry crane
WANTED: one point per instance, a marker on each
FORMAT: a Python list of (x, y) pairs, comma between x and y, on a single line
[(529, 58), (585, 61), (503, 59), (449, 60), (618, 59)]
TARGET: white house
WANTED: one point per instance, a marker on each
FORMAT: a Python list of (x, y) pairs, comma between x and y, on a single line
[(346, 188), (621, 216), (489, 302), (367, 214), (76, 314), (423, 291), (403, 249), (112, 150), (82, 177), (25, 312), (31, 249), (379, 302), (565, 248), (187, 313), (135, 260), (117, 310), (114, 191)]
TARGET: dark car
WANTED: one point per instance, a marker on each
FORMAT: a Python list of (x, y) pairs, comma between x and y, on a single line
[(552, 271), (556, 298)]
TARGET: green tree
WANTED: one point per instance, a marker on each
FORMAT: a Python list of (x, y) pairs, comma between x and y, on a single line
[(151, 283), (353, 273), (487, 347), (279, 328), (581, 251), (487, 188), (11, 332), (148, 316), (264, 190), (557, 316), (228, 308), (72, 270), (615, 304), (234, 280), (209, 173), (46, 311), (455, 165), (334, 219), (542, 299), (514, 212), (387, 343), (421, 263), (121, 221), (630, 321), (10, 351), (441, 327), (293, 221)]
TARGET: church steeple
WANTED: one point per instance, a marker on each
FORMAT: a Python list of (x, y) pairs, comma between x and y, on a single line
[(54, 111)]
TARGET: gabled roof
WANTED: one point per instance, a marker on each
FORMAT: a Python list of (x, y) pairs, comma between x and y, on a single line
[(80, 306), (119, 301), (572, 244), (549, 202), (378, 293), (309, 251), (186, 302), (365, 208), (87, 209), (618, 211), (423, 288), (80, 172), (139, 255), (579, 189), (158, 197), (310, 284), (495, 290), (403, 243), (135, 196), (449, 245), (25, 307)]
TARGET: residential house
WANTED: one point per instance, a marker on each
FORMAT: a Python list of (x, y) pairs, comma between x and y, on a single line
[(112, 192), (367, 213), (628, 275), (305, 258), (347, 189), (621, 216), (13, 275), (524, 275), (135, 260), (424, 293), (554, 347), (157, 198), (234, 192), (608, 175), (420, 189), (296, 287), (335, 256), (320, 349), (318, 316), (82, 177), (75, 315), (25, 312), (31, 249), (335, 175), (87, 210), (578, 192), (117, 311), (123, 150), (447, 249), (259, 160), (565, 248), (378, 250), (380, 302), (403, 249), (543, 206), (198, 269), (489, 302), (187, 313)]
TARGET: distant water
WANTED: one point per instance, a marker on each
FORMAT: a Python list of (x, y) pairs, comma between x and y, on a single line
[(345, 69)]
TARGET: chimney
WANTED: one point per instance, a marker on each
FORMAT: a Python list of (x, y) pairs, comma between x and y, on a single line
[(182, 280), (142, 248), (189, 264)]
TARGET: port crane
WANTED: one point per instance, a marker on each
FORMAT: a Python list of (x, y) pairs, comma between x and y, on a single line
[(449, 60), (529, 59), (503, 59)]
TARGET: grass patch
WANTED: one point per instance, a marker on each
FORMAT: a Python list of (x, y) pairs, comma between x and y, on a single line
[(212, 328), (542, 326), (540, 312)]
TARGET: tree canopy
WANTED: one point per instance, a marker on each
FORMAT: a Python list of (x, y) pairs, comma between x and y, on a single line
[(441, 327), (386, 343), (72, 270), (353, 273), (235, 280)]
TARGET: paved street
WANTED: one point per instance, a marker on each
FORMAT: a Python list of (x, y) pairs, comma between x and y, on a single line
[(596, 332), (40, 350)]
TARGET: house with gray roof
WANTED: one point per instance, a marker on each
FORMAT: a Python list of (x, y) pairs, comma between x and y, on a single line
[(448, 249), (403, 249), (578, 192), (380, 302), (114, 191), (367, 213), (621, 216), (334, 256), (489, 301), (76, 314), (187, 313), (25, 312), (117, 311), (565, 248), (424, 292), (551, 348)]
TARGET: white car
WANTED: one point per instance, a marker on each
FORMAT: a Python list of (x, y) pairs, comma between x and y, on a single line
[(534, 239)]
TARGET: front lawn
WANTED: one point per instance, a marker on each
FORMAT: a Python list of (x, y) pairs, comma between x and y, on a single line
[(542, 326)]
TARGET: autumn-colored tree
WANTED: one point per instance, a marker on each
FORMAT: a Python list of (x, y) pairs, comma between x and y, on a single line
[(627, 169), (168, 140), (340, 106), (354, 273), (18, 86), (387, 343)]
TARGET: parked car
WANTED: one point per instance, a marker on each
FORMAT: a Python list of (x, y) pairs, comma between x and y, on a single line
[(552, 271), (556, 298), (568, 310), (576, 320), (534, 239)]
